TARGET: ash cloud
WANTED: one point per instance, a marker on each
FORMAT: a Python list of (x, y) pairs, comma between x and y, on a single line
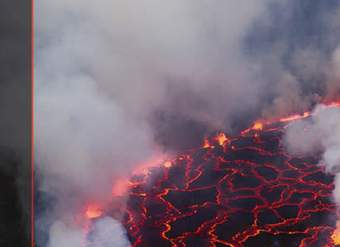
[(120, 81)]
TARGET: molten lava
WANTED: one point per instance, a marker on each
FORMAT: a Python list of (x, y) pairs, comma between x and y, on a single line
[(206, 143), (221, 138), (240, 191), (336, 234), (258, 126), (336, 237), (235, 191), (295, 117), (93, 211), (167, 164)]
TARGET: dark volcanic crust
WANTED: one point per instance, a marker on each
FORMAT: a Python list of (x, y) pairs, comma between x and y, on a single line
[(248, 192)]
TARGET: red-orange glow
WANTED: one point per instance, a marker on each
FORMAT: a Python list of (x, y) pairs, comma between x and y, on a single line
[(120, 187), (336, 235), (221, 138), (143, 168), (295, 117), (258, 126), (93, 211), (197, 163), (167, 164), (334, 104), (206, 143)]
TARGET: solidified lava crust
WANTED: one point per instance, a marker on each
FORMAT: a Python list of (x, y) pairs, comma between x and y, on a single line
[(247, 191)]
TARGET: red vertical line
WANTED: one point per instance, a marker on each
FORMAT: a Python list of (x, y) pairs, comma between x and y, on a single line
[(32, 125)]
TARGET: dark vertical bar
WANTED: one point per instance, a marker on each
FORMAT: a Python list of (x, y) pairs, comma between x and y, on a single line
[(15, 122)]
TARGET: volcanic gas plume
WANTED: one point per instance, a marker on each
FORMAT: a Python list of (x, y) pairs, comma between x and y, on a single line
[(121, 82), (244, 190)]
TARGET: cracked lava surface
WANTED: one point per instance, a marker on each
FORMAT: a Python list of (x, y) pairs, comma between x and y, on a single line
[(233, 191)]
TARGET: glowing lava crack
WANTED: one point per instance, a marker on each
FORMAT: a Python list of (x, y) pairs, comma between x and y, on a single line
[(244, 191), (233, 191)]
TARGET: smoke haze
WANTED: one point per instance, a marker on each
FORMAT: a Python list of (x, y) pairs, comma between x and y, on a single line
[(321, 134), (120, 81)]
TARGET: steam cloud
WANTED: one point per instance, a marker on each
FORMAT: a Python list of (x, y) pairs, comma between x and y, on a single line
[(116, 78), (106, 232), (321, 134)]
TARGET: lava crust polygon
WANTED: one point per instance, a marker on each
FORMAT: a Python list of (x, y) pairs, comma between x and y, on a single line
[(247, 192)]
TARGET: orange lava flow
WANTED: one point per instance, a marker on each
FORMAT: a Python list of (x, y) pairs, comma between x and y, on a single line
[(206, 143), (221, 138), (336, 234), (336, 237), (260, 124), (295, 117)]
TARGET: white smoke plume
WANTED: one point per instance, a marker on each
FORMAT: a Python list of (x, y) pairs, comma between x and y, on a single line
[(104, 68), (320, 134), (105, 232)]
